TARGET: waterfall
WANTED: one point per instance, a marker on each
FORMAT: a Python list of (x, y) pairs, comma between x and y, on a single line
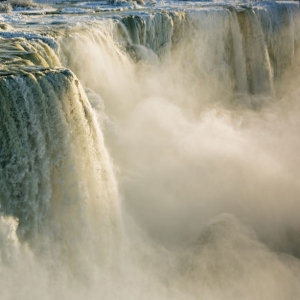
[(216, 52), (150, 151), (56, 175)]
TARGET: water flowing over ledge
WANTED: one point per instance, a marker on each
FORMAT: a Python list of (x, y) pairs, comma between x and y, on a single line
[(188, 112), (56, 177)]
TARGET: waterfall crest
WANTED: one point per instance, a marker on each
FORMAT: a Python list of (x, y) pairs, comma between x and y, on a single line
[(227, 53)]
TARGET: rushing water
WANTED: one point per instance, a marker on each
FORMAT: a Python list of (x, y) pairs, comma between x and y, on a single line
[(150, 153)]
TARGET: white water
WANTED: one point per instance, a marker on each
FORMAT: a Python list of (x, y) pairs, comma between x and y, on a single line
[(200, 114)]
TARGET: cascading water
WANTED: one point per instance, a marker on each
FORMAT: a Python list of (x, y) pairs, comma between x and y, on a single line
[(56, 177), (198, 106)]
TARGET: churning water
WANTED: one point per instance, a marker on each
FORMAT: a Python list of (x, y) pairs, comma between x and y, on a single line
[(150, 153)]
